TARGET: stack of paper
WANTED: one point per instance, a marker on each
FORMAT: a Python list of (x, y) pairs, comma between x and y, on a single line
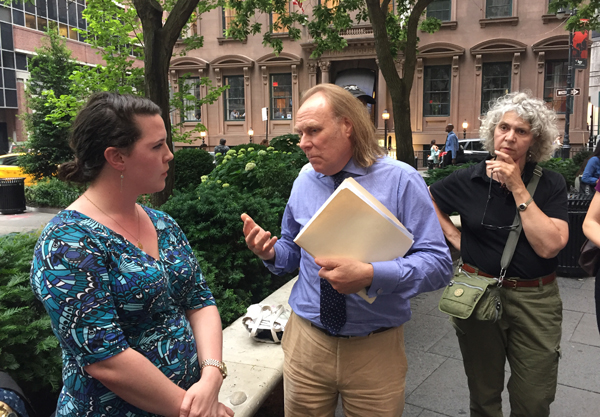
[(354, 224)]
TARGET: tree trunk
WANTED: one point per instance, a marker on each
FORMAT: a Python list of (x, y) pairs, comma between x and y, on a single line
[(159, 42), (399, 88)]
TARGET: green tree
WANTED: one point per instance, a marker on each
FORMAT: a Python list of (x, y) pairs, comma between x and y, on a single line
[(586, 10), (395, 36), (124, 36), (50, 70)]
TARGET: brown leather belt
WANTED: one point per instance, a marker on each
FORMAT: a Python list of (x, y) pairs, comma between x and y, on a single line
[(513, 283), (328, 333)]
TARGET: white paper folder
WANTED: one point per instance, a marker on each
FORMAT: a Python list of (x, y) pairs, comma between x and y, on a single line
[(354, 224)]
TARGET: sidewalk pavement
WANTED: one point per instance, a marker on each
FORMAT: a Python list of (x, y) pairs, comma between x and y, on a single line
[(31, 219), (436, 385)]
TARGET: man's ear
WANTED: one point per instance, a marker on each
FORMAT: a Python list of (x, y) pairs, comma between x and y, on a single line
[(348, 127), (114, 157)]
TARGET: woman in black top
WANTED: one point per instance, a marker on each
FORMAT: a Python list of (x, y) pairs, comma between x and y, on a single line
[(519, 132)]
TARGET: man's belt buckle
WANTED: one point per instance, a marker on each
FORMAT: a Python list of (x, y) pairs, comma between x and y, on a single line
[(510, 283)]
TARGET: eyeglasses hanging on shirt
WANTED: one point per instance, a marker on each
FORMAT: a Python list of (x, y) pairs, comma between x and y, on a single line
[(491, 226)]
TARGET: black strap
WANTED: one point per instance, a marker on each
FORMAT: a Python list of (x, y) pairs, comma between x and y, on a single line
[(513, 236)]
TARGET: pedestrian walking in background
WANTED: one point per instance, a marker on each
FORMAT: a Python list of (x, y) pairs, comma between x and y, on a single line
[(519, 132), (451, 147), (221, 148), (591, 172)]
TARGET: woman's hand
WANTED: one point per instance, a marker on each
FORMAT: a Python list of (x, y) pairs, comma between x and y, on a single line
[(506, 171), (202, 399)]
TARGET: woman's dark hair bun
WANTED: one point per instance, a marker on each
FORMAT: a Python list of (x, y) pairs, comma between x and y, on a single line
[(71, 172)]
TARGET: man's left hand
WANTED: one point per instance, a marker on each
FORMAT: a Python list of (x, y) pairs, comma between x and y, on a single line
[(346, 276)]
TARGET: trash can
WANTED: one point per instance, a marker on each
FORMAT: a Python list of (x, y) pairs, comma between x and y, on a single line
[(568, 266), (12, 195)]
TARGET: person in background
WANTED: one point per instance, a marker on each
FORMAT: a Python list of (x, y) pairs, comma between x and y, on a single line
[(591, 229), (335, 342), (264, 142), (518, 131), (221, 148), (433, 158), (138, 327), (451, 147), (591, 172)]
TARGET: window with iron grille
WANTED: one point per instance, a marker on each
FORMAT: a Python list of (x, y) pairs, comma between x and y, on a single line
[(495, 82)]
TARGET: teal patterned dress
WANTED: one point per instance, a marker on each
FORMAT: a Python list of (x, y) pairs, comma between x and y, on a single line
[(104, 295)]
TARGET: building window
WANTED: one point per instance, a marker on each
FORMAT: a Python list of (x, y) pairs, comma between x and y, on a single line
[(235, 105), (275, 17), (228, 17), (436, 94), (190, 89), (281, 96), (495, 83), (556, 77), (498, 8), (439, 9), (67, 13)]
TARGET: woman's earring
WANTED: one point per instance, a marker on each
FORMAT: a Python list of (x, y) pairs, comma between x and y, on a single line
[(122, 181), (529, 155)]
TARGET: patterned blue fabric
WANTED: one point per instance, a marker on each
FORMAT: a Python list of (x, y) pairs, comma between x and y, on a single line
[(104, 295), (15, 402)]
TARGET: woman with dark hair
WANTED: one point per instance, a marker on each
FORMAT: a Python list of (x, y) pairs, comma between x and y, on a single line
[(591, 173), (127, 300), (494, 199)]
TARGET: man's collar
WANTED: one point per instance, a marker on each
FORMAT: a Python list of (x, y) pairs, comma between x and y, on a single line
[(351, 168)]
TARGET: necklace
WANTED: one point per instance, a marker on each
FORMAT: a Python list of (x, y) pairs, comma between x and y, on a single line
[(139, 244)]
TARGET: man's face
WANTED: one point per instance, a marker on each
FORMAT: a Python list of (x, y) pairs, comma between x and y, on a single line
[(324, 139), (449, 128)]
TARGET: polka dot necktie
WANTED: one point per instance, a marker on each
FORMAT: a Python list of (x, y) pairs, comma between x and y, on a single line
[(333, 304)]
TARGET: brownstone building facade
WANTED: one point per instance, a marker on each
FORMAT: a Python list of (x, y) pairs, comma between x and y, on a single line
[(484, 49)]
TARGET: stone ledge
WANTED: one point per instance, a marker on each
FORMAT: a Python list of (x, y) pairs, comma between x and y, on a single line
[(254, 368)]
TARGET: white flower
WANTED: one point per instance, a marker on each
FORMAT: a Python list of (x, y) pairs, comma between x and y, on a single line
[(250, 166)]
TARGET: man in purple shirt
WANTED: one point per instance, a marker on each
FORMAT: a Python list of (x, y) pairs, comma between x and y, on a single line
[(335, 342)]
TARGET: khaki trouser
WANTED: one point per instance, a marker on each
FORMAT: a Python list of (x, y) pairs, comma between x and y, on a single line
[(369, 372), (528, 335)]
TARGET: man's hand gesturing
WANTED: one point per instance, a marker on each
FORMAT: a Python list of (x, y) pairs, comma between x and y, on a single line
[(258, 240)]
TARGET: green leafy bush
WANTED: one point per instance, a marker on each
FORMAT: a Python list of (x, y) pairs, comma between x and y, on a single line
[(29, 351), (210, 218), (267, 172), (52, 193), (567, 167), (434, 175), (190, 165)]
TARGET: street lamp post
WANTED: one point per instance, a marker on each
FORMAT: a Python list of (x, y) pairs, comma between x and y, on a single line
[(566, 147), (385, 116), (250, 133), (203, 135), (465, 125)]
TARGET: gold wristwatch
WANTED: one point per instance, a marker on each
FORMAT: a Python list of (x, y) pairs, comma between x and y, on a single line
[(217, 364)]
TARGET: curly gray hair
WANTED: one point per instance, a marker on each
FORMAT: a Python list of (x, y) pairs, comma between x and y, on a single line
[(533, 111)]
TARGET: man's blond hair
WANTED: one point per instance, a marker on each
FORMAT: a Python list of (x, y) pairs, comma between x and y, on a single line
[(365, 149)]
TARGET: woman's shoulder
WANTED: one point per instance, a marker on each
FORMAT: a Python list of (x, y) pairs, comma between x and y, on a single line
[(160, 219)]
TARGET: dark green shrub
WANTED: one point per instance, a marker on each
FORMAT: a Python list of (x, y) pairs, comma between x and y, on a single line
[(29, 351), (52, 193), (191, 164), (434, 175), (210, 218), (567, 167), (579, 157)]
